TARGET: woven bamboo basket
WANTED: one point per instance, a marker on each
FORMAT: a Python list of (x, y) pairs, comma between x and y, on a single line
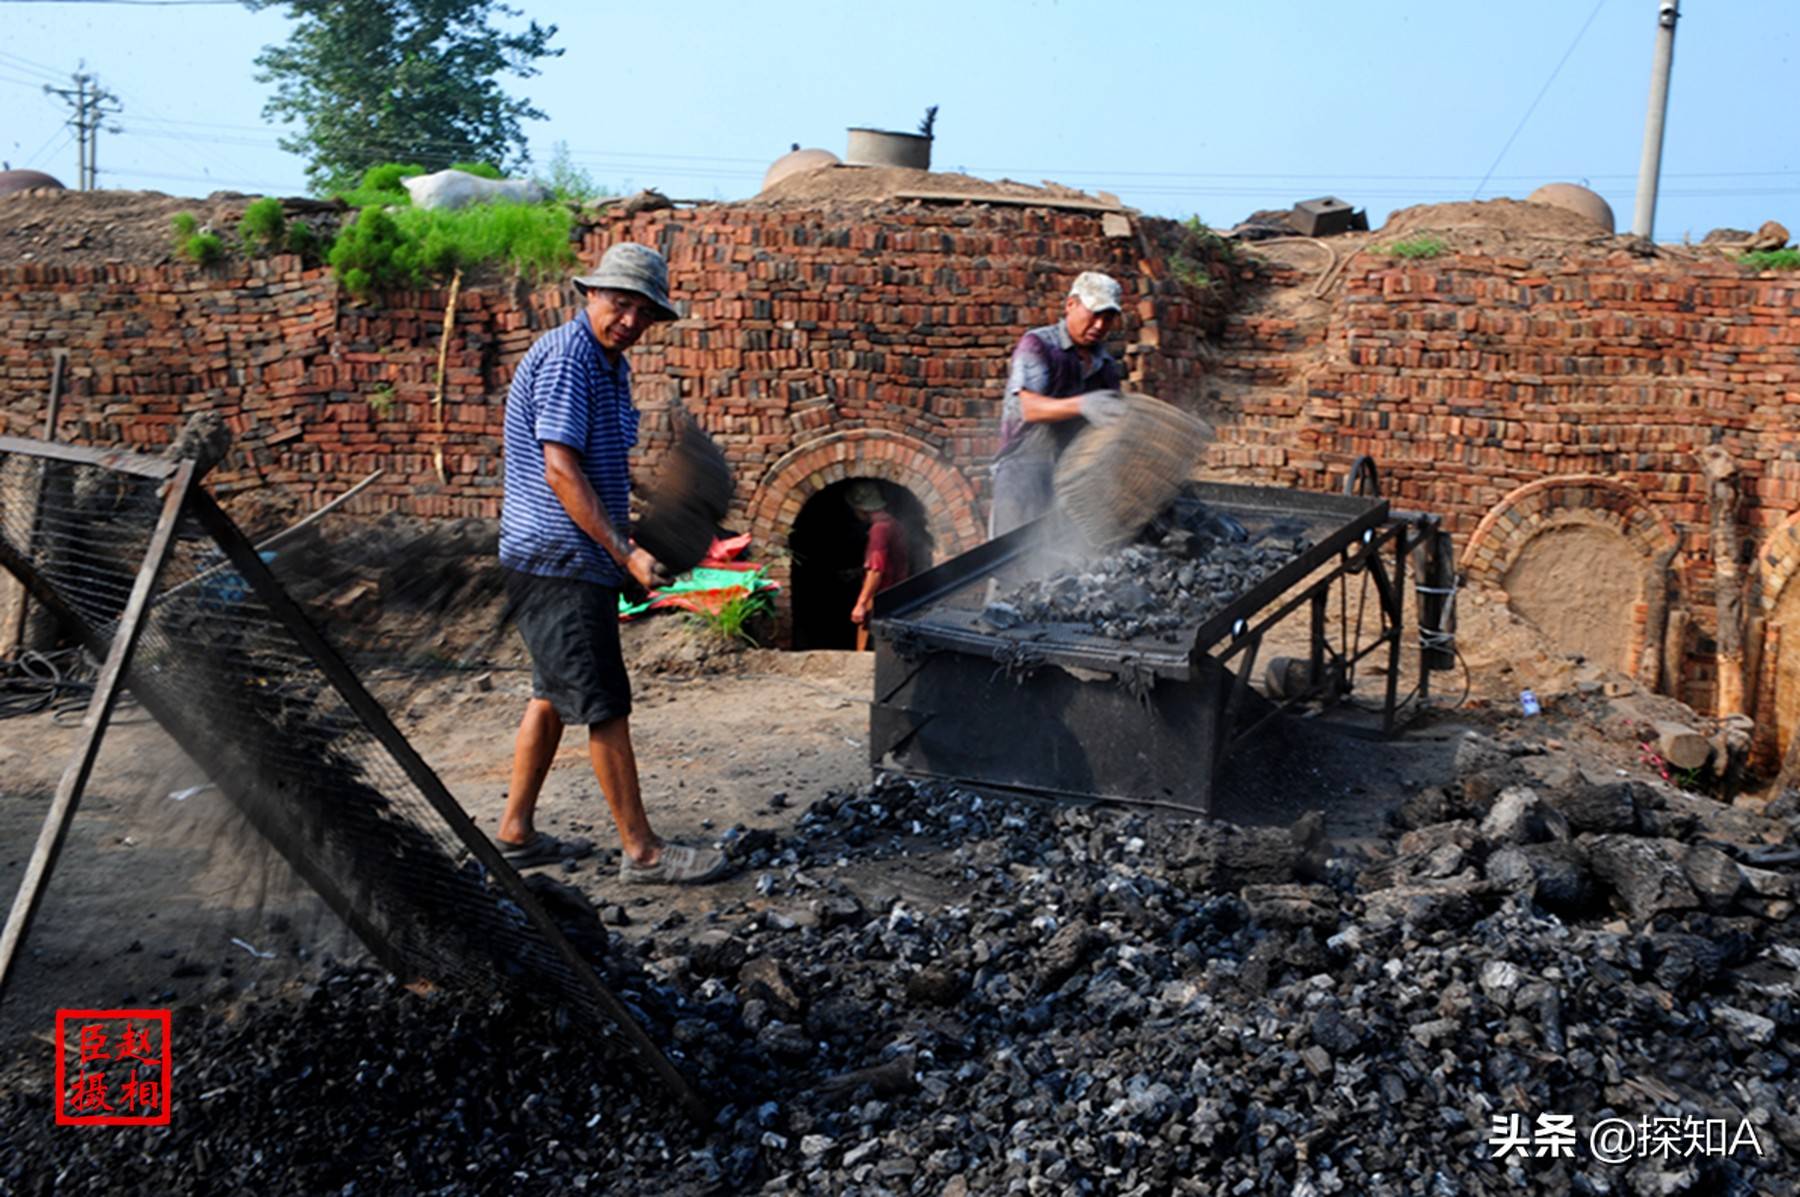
[(685, 502), (1111, 481)]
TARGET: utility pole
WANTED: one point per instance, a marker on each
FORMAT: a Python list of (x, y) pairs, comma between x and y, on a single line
[(92, 104), (1650, 168)]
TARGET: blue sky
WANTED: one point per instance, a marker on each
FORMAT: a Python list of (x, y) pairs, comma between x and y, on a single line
[(1205, 107)]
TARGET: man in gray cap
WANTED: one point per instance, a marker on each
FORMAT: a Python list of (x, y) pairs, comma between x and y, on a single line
[(570, 426), (1062, 379)]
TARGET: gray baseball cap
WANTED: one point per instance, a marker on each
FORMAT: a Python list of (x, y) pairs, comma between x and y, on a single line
[(1097, 292), (629, 266)]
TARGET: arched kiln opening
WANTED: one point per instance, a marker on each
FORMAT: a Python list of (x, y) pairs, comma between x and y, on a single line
[(827, 544), (1577, 582)]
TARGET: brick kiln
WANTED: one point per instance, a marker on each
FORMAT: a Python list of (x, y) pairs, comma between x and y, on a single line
[(1547, 399)]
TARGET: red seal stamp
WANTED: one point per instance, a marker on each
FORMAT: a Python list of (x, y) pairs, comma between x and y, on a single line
[(112, 1067)]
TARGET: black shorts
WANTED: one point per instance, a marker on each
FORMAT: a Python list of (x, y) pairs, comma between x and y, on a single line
[(571, 629)]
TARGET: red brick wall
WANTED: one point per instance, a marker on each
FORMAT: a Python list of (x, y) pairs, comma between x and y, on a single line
[(1470, 377), (800, 323), (822, 344), (818, 345)]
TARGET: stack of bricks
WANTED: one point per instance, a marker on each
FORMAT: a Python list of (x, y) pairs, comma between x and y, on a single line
[(1471, 376), (317, 389), (800, 323), (825, 342)]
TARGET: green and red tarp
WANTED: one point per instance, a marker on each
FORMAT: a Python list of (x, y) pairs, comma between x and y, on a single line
[(719, 579)]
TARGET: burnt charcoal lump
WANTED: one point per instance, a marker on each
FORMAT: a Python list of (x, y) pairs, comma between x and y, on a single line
[(1155, 588)]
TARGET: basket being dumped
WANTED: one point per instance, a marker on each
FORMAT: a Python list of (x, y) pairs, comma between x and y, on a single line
[(1115, 478)]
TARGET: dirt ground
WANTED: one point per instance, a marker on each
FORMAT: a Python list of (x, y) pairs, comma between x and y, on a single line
[(164, 897), (154, 884)]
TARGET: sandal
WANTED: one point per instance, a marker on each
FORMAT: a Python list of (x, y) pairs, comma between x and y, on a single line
[(544, 848), (679, 864)]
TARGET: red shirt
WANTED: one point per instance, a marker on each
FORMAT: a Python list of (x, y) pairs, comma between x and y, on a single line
[(886, 554)]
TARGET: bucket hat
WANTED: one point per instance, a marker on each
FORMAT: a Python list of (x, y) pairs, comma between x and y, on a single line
[(864, 495), (629, 266)]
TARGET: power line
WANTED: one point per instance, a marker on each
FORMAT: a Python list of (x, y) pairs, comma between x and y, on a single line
[(64, 133), (1555, 71), (142, 3), (597, 157), (262, 135), (26, 64), (271, 188)]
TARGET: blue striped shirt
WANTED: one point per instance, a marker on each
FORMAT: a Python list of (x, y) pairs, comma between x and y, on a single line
[(565, 390)]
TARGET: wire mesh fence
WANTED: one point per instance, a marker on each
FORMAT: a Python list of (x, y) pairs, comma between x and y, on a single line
[(233, 671)]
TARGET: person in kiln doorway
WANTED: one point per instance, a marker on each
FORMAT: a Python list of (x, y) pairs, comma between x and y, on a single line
[(886, 560)]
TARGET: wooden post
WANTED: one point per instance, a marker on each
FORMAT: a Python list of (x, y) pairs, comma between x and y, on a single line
[(1656, 619), (437, 399), (1675, 644), (14, 634), (106, 692), (1722, 490)]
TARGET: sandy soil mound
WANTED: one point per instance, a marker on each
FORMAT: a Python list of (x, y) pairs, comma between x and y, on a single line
[(1512, 218), (876, 184), (70, 227)]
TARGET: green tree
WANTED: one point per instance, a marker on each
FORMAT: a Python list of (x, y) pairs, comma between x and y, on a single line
[(400, 80)]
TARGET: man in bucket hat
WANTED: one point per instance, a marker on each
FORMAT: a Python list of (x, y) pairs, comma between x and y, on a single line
[(1061, 379), (570, 425)]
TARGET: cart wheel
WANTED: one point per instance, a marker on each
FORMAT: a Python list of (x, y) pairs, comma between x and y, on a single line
[(1364, 479)]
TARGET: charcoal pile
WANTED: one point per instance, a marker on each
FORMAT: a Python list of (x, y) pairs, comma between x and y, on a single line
[(1111, 1003), (1191, 564)]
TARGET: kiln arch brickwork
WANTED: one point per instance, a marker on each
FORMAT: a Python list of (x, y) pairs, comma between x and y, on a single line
[(952, 510), (1592, 512)]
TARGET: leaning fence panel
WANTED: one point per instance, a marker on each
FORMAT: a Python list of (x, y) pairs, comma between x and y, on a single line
[(231, 667)]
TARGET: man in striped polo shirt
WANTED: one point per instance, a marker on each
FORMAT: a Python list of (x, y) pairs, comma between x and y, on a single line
[(570, 426)]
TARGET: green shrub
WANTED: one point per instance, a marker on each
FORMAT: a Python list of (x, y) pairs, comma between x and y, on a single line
[(1190, 271), (263, 225), (1200, 234), (409, 247), (371, 255), (381, 400), (302, 240), (185, 224), (204, 249), (1771, 259), (1419, 247), (730, 622), (381, 185), (481, 169), (392, 245), (568, 182)]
